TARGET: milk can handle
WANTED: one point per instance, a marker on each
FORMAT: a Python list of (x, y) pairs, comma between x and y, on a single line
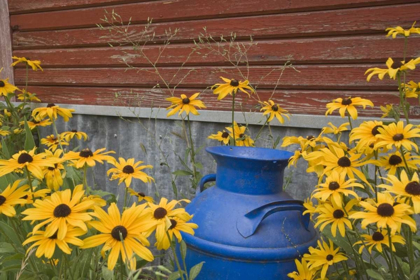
[(205, 179), (248, 224)]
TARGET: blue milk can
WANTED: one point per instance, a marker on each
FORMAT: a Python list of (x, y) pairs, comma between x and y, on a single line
[(248, 227)]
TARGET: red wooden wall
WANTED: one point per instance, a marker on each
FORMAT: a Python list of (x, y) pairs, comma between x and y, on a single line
[(332, 43)]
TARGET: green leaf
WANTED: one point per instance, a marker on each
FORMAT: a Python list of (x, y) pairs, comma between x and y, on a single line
[(174, 275), (415, 273), (107, 274), (183, 249), (417, 245), (29, 141), (6, 248), (4, 149), (276, 143), (182, 173), (174, 189), (195, 270), (198, 165), (10, 233), (373, 274), (143, 148)]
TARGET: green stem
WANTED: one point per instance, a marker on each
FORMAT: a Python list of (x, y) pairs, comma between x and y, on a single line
[(30, 183), (410, 249), (26, 79), (356, 258), (57, 135), (402, 100), (392, 254), (405, 162), (121, 268), (351, 125), (192, 152), (85, 185), (125, 198), (261, 129), (233, 118), (181, 272)]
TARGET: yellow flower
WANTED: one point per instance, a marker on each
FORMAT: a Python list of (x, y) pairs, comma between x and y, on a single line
[(386, 110), (23, 159), (334, 214), (68, 135), (405, 187), (241, 139), (86, 156), (37, 122), (366, 134), (392, 72), (27, 96), (275, 111), (324, 256), (394, 31), (221, 136), (4, 132), (46, 245), (113, 226), (126, 170), (377, 239), (140, 195), (53, 142), (11, 196), (54, 175), (52, 111), (397, 135), (58, 211), (231, 87), (6, 87), (393, 161), (412, 89), (303, 271), (35, 64), (385, 213), (347, 104), (184, 103), (335, 130), (177, 225)]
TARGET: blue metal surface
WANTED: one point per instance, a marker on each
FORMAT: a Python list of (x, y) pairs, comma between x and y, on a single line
[(248, 227)]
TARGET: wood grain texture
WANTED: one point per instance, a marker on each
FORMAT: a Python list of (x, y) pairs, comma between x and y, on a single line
[(346, 22), (354, 49), (171, 11), (309, 77), (5, 43), (296, 101)]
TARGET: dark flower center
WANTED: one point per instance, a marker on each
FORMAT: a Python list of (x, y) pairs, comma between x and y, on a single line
[(375, 130), (160, 213), (128, 169), (74, 130), (398, 137), (173, 224), (24, 158), (385, 210), (338, 214), (241, 135), (346, 101), (377, 236), (2, 84), (225, 134), (186, 101), (61, 211), (413, 188), (333, 186), (344, 162), (234, 83), (86, 153), (309, 137), (50, 105), (141, 194), (54, 236), (2, 200), (275, 108), (330, 257), (394, 160), (115, 233), (397, 64), (25, 196)]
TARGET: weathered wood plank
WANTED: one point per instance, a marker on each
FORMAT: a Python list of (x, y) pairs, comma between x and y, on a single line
[(355, 49), (309, 77), (296, 101), (5, 43), (349, 21), (176, 10)]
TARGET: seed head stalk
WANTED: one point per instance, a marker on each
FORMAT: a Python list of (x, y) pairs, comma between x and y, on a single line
[(192, 152), (233, 118)]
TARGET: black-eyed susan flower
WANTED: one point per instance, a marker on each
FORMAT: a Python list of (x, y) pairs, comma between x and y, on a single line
[(177, 225), (303, 271), (68, 135), (46, 245), (393, 161), (4, 132), (411, 90), (53, 142), (6, 87), (291, 140), (11, 196), (385, 213), (392, 72), (238, 132), (35, 64), (141, 196), (31, 196), (405, 187), (397, 135), (126, 170), (231, 87), (27, 96), (52, 111), (347, 105), (274, 110), (332, 129), (37, 123), (23, 159), (336, 215), (310, 207), (323, 256), (366, 134), (58, 211), (86, 156), (377, 239), (54, 175), (184, 103), (112, 227), (160, 215), (394, 31), (387, 110), (335, 187), (222, 136)]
